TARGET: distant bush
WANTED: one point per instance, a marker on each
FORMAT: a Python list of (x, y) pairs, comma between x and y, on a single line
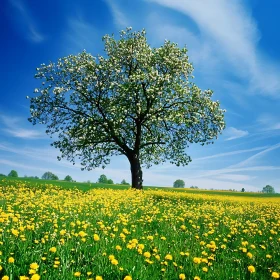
[(194, 187), (104, 180), (49, 176), (31, 177), (68, 178), (123, 182), (2, 175), (179, 184), (13, 173), (268, 189)]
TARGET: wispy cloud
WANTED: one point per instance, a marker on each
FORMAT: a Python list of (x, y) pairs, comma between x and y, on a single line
[(26, 22), (235, 177), (13, 126), (81, 35), (231, 153), (120, 19), (231, 33), (20, 165), (251, 160), (269, 122), (249, 164), (232, 133)]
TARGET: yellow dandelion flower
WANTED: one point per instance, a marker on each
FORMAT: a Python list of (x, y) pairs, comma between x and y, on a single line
[(111, 257), (249, 255), (114, 262), (98, 277), (35, 277), (127, 277), (251, 269), (147, 254), (118, 248), (5, 277), (96, 237), (52, 250), (11, 260), (182, 276), (168, 257), (275, 275), (77, 274), (205, 269), (34, 266)]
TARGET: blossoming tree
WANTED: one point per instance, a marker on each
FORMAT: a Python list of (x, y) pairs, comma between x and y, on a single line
[(136, 101)]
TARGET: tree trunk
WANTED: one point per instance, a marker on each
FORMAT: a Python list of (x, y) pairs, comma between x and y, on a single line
[(136, 173)]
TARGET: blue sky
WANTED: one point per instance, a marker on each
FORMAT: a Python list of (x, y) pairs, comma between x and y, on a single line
[(233, 45)]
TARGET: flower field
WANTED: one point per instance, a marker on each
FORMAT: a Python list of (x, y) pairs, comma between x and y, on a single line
[(47, 232)]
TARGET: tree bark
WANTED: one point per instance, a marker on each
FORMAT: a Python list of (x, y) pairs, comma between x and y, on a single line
[(136, 172)]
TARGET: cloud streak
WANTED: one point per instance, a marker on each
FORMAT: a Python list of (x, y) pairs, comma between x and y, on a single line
[(232, 34), (13, 127), (233, 133), (120, 19), (26, 22)]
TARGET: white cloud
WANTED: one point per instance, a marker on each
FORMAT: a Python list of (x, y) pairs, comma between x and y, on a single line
[(14, 127), (269, 122), (20, 165), (231, 153), (252, 159), (235, 177), (120, 19), (231, 33), (81, 35), (232, 133), (26, 22)]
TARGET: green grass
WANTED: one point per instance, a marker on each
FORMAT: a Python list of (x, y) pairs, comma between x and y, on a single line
[(89, 186)]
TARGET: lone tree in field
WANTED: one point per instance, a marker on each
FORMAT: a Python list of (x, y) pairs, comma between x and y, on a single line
[(13, 173), (179, 184), (136, 101), (268, 189), (68, 178), (49, 176)]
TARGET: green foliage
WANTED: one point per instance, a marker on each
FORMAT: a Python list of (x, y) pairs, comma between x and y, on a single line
[(102, 179), (13, 173), (2, 175), (268, 189), (31, 177), (123, 182), (49, 176), (194, 187), (135, 101), (68, 178), (242, 190), (179, 184)]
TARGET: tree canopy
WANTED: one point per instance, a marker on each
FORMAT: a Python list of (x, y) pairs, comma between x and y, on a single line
[(135, 101), (13, 173), (49, 176), (179, 184), (268, 189), (102, 179), (68, 178)]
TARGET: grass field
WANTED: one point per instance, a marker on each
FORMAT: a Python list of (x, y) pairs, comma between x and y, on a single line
[(92, 231)]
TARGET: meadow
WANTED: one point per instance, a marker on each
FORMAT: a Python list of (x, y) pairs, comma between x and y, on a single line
[(81, 231)]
